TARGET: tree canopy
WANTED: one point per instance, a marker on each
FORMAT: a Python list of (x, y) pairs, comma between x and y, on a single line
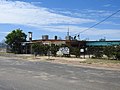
[(14, 39)]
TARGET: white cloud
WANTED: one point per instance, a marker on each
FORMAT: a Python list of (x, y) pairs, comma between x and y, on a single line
[(24, 13), (27, 14), (74, 30), (107, 5), (36, 3), (64, 28), (111, 23), (96, 32), (4, 33), (87, 13)]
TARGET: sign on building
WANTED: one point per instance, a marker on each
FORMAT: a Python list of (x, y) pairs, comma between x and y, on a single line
[(82, 50), (65, 50)]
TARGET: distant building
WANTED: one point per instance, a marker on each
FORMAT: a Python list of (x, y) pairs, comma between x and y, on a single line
[(68, 41)]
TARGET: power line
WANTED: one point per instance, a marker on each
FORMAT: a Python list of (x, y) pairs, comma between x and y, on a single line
[(98, 23)]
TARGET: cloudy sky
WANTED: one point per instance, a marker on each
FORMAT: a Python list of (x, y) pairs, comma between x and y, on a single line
[(54, 17)]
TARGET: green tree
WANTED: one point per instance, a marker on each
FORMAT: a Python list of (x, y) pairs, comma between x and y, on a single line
[(97, 51), (38, 48), (117, 52), (109, 51), (54, 48), (75, 51), (46, 49), (14, 39)]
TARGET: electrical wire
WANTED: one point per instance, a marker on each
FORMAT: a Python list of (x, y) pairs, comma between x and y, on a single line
[(98, 23)]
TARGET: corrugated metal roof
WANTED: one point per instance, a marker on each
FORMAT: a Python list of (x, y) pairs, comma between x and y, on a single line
[(102, 43)]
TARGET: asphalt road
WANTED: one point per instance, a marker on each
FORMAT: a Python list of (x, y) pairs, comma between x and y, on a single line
[(25, 75)]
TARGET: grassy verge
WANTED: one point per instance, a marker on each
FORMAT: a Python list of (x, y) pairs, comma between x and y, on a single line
[(100, 61), (23, 56)]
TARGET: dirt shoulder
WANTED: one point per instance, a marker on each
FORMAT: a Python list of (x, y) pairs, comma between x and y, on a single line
[(91, 63)]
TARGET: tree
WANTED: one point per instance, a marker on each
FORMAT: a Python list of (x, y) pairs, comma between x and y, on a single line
[(75, 51), (97, 51), (46, 49), (14, 39), (117, 52), (109, 51), (38, 48), (54, 48)]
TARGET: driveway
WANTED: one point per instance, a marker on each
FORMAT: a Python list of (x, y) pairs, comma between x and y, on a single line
[(39, 75)]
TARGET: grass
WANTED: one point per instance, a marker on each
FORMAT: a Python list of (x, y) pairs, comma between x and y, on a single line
[(88, 61), (100, 61)]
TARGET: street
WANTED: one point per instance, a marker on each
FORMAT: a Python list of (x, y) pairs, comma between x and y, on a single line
[(25, 75)]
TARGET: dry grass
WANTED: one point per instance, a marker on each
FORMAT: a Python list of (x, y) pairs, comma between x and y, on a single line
[(100, 61), (64, 60)]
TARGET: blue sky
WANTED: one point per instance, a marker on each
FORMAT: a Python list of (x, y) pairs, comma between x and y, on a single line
[(53, 17)]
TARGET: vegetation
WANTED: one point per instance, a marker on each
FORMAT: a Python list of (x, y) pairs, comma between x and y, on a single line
[(40, 49), (109, 51), (100, 61), (37, 47), (14, 39), (117, 52), (96, 51), (112, 52), (54, 48), (75, 51)]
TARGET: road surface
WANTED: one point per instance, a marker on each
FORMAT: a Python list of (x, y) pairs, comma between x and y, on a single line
[(25, 75)]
